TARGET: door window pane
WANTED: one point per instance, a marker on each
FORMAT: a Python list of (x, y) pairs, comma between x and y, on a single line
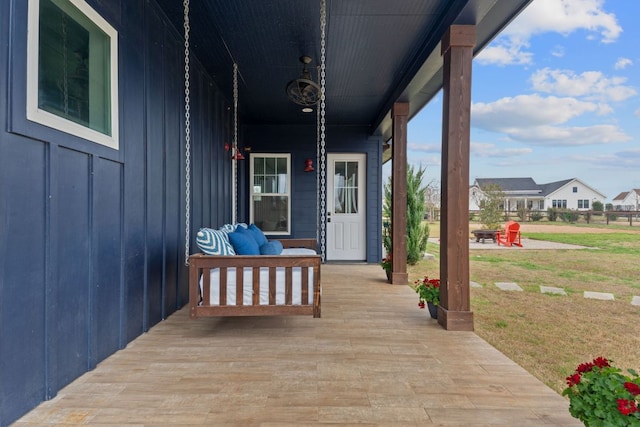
[(345, 187)]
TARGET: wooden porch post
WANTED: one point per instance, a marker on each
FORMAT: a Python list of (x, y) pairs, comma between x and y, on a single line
[(454, 312), (400, 116)]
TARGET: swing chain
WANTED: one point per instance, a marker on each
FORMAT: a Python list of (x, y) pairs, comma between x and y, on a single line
[(323, 154), (187, 136), (235, 144)]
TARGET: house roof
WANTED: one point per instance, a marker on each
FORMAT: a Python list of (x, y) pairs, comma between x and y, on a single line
[(377, 52), (527, 187), (552, 187), (621, 196), (511, 185)]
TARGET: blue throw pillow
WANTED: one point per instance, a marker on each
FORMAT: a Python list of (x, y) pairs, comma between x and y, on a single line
[(257, 234), (214, 242), (243, 242), (272, 247)]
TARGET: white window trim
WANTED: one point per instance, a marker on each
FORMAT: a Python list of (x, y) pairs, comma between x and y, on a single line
[(288, 193), (45, 118)]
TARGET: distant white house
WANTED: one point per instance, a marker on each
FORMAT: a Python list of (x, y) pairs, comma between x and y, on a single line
[(627, 201), (524, 192)]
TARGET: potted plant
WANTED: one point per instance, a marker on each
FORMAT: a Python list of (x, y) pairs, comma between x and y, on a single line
[(428, 291), (601, 395), (386, 266)]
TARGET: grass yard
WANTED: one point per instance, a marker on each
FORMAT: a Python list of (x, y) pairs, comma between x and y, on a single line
[(546, 334)]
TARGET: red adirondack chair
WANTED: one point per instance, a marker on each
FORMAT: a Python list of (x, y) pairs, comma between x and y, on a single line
[(510, 236)]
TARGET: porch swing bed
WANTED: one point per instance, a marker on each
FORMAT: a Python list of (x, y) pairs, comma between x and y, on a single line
[(285, 281), (257, 285)]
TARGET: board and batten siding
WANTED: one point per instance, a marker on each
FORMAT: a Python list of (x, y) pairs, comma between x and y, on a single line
[(92, 239)]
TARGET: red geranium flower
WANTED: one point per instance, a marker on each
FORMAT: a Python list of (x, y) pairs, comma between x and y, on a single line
[(632, 388), (627, 407), (585, 367), (601, 362), (573, 379)]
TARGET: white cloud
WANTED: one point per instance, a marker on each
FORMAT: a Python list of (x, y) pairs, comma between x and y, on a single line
[(482, 149), (505, 54), (538, 120), (629, 159), (427, 148), (622, 63), (544, 16), (590, 84), (526, 111), (570, 136)]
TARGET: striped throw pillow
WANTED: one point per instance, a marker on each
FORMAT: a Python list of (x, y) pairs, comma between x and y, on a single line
[(228, 228), (214, 242)]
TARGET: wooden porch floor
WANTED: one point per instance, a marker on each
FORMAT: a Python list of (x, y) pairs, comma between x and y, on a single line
[(373, 359)]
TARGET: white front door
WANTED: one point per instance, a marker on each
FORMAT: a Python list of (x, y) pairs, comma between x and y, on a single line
[(346, 208)]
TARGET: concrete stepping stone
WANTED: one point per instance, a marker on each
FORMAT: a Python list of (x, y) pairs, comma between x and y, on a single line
[(552, 290), (635, 300), (508, 286), (475, 285), (599, 295)]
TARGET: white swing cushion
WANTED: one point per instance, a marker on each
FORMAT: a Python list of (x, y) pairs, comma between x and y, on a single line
[(214, 242)]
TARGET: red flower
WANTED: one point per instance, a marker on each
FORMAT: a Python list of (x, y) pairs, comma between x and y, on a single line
[(627, 407), (601, 362), (573, 379), (585, 367), (632, 388), (421, 304)]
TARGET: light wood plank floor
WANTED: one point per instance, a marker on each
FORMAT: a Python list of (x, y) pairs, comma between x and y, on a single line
[(373, 359)]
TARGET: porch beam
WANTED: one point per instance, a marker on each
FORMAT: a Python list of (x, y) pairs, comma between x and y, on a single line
[(400, 117), (454, 311)]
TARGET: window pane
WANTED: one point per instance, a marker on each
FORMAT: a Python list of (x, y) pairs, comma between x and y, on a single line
[(271, 213), (258, 184), (281, 165), (281, 183), (258, 165), (270, 165), (73, 67), (352, 173), (270, 184)]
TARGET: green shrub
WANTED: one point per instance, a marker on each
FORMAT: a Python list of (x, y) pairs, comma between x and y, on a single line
[(597, 206), (491, 208), (536, 216), (417, 229), (569, 216)]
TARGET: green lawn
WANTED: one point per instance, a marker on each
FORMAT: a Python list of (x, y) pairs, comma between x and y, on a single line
[(547, 334)]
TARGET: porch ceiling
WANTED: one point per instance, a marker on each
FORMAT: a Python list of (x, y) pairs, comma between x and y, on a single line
[(378, 51)]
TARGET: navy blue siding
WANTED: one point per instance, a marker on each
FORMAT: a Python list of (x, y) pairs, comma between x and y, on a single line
[(133, 134), (72, 262), (22, 290), (92, 239), (107, 272)]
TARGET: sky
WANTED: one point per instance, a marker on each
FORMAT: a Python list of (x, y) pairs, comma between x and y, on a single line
[(555, 96)]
